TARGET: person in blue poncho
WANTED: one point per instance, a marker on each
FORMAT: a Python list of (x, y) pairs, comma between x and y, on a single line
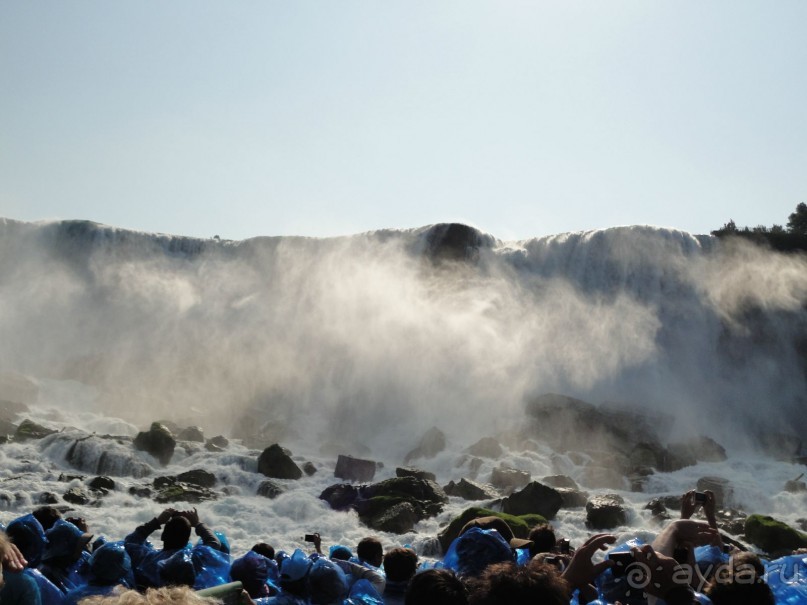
[(65, 561), (176, 533), (109, 566), (256, 573), (16, 588), (28, 536)]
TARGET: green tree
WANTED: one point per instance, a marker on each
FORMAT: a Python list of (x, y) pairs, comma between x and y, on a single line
[(797, 222)]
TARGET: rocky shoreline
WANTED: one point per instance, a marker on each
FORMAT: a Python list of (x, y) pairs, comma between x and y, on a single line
[(613, 460)]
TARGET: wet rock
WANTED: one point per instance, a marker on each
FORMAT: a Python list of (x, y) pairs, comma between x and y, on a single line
[(702, 449), (398, 519), (535, 499), (184, 492), (454, 242), (572, 424), (521, 525), (277, 464), (487, 447), (654, 455), (731, 520), (721, 488), (560, 481), (795, 487), (509, 479), (157, 441), (102, 483), (572, 498), (340, 496), (47, 498), (269, 489), (772, 536), (414, 472), (76, 495), (140, 491), (64, 478), (219, 443), (606, 512), (101, 455), (199, 477), (471, 490), (658, 510), (354, 469), (373, 502), (191, 433), (427, 497), (431, 444), (31, 430), (309, 468)]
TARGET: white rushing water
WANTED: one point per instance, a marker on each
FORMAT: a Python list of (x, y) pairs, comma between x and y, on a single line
[(367, 341)]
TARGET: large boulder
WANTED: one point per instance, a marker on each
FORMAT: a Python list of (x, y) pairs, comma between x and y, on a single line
[(560, 481), (487, 447), (340, 496), (427, 497), (199, 477), (102, 483), (572, 498), (772, 536), (31, 430), (470, 490), (654, 455), (354, 469), (76, 495), (521, 525), (274, 462), (103, 455), (219, 443), (405, 471), (702, 449), (157, 441), (567, 423), (191, 433), (535, 499), (432, 443), (606, 512), (509, 479), (377, 504), (719, 486), (399, 518), (269, 489), (184, 492)]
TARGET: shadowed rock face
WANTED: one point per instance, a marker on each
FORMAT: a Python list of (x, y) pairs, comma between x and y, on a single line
[(454, 242), (157, 441), (276, 463), (392, 505)]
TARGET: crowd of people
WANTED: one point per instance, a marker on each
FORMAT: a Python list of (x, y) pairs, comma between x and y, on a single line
[(50, 560)]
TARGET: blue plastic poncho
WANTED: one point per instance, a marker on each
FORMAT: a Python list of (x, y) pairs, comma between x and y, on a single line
[(474, 550)]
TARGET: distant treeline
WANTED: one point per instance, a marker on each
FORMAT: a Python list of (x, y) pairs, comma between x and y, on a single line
[(792, 237)]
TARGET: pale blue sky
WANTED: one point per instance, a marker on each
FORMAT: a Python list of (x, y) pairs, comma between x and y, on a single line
[(244, 118)]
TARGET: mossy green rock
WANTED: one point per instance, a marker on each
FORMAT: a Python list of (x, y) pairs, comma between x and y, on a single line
[(31, 430), (520, 524), (772, 536)]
